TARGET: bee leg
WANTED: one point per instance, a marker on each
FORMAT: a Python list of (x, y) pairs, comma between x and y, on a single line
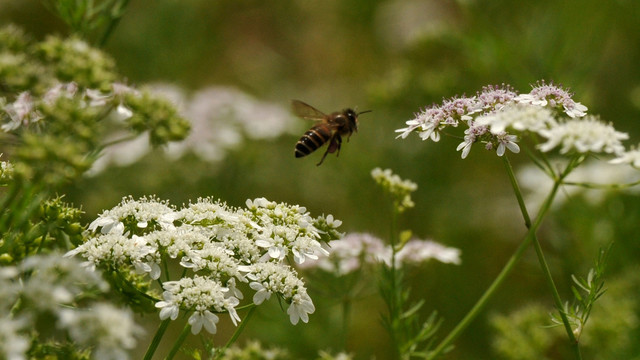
[(334, 144), (338, 144), (324, 156)]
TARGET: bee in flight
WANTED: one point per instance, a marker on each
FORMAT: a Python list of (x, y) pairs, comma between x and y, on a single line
[(329, 128)]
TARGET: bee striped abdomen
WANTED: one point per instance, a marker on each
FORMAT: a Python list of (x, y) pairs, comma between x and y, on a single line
[(312, 140)]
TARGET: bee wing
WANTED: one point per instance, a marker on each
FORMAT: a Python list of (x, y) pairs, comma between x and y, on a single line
[(307, 111)]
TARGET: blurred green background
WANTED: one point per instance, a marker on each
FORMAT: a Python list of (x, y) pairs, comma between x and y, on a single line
[(393, 57)]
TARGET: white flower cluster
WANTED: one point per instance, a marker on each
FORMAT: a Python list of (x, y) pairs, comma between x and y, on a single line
[(106, 328), (631, 157), (268, 278), (235, 115), (200, 293), (20, 112), (23, 111), (416, 251), (586, 135), (217, 246), (518, 117), (496, 116), (50, 285), (6, 171), (537, 184), (400, 189), (356, 250)]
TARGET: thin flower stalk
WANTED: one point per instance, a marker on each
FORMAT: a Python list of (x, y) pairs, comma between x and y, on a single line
[(157, 338), (176, 346), (540, 254), (237, 332), (497, 282)]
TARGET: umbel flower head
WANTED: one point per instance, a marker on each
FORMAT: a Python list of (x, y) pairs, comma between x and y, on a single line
[(50, 289), (499, 117), (399, 189), (631, 157), (216, 246), (357, 250)]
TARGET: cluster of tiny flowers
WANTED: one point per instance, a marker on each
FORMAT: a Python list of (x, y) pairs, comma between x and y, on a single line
[(536, 184), (268, 278), (145, 213), (585, 135), (107, 329), (201, 294), (554, 97), (217, 246), (253, 349), (20, 112), (357, 250), (520, 117), (416, 251), (497, 116), (631, 157), (49, 287), (351, 253), (433, 120), (232, 113), (400, 189), (235, 116), (24, 112), (286, 229), (6, 172)]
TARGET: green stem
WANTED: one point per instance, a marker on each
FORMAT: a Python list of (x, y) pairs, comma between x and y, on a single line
[(543, 161), (6, 206), (156, 339), (394, 297), (346, 312), (43, 237), (556, 299), (603, 186), (540, 253), (118, 141), (237, 333), (17, 201), (176, 346), (506, 270), (518, 193), (113, 22)]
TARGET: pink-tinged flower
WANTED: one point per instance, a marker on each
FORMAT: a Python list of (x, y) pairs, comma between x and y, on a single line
[(471, 135), (554, 97), (506, 141), (493, 97), (67, 90), (430, 121), (350, 253), (21, 112), (418, 251)]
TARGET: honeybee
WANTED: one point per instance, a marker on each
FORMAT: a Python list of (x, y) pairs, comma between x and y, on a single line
[(329, 128)]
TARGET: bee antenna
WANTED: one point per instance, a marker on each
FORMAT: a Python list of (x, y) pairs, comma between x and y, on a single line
[(363, 112)]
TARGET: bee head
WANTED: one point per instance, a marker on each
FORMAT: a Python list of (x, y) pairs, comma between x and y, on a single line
[(352, 117)]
